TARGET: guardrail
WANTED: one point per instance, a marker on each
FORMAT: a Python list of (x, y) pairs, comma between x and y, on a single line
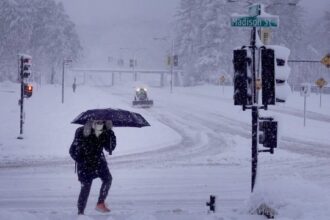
[(314, 89)]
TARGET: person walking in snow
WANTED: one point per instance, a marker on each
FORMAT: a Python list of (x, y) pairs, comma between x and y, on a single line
[(87, 151)]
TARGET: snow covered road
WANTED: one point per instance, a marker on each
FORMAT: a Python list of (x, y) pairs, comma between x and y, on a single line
[(198, 144)]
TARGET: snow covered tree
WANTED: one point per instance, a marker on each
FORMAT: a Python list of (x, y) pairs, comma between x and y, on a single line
[(205, 27), (316, 47), (292, 29), (322, 31), (212, 39), (40, 28), (198, 38), (188, 35), (14, 22)]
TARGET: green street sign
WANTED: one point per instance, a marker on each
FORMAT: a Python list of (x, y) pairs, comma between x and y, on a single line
[(265, 22), (254, 10)]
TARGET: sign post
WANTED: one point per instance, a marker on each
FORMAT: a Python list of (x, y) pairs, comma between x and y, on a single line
[(222, 81), (321, 83), (305, 91)]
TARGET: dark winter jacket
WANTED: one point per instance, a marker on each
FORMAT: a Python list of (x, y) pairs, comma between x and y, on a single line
[(87, 151)]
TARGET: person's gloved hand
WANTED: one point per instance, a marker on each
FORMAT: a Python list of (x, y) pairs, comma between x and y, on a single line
[(108, 124)]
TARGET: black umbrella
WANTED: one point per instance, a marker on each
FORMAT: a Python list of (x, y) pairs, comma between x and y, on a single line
[(119, 117)]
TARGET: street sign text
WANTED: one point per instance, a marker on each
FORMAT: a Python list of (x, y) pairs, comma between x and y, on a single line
[(269, 22)]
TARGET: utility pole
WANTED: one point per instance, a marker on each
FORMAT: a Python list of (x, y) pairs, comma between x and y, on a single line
[(172, 63), (134, 63)]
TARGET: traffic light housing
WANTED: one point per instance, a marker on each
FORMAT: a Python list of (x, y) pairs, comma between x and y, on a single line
[(242, 78), (282, 72), (169, 60), (26, 63), (175, 60), (28, 90), (131, 63), (268, 134), (268, 76)]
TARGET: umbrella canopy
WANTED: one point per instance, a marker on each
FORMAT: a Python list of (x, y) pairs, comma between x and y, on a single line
[(119, 117)]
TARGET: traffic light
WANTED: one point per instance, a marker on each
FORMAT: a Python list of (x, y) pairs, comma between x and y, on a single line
[(26, 62), (175, 60), (131, 63), (169, 60), (268, 76), (268, 134), (242, 78), (282, 71), (28, 89)]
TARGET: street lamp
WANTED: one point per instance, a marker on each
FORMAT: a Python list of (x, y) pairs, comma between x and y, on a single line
[(171, 59), (65, 61)]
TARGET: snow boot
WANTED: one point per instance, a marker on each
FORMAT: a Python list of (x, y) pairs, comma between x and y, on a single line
[(101, 207)]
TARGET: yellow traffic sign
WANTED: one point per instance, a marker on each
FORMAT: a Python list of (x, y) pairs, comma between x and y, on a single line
[(321, 82), (326, 60)]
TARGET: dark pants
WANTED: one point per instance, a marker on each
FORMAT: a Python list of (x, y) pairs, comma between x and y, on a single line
[(86, 188)]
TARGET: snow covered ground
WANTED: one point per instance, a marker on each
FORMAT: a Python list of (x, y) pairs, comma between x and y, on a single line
[(198, 144)]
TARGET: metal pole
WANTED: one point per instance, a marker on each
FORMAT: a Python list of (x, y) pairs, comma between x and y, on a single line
[(135, 75), (21, 101), (255, 115), (22, 107), (253, 44), (305, 110), (254, 151), (63, 82), (162, 80), (320, 97), (172, 59)]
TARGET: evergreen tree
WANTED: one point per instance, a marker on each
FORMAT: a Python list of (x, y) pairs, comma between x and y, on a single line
[(187, 37), (212, 39), (292, 30), (320, 35), (205, 27), (40, 28)]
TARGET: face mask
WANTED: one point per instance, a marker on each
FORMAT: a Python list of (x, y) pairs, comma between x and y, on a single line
[(98, 127)]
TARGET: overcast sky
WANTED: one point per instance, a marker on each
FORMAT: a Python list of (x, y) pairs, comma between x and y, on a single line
[(105, 26), (315, 7)]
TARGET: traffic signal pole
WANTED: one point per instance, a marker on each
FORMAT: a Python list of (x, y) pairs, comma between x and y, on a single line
[(63, 69), (21, 103), (26, 90), (249, 80), (255, 113)]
